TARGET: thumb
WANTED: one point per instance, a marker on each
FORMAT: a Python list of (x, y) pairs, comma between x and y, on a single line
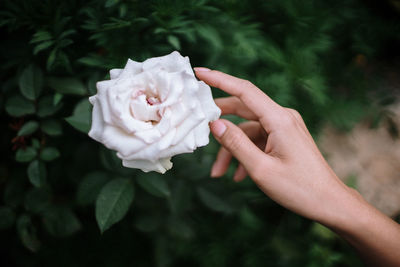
[(242, 148)]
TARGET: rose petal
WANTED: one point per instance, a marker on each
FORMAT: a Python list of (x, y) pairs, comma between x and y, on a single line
[(175, 115), (103, 86), (186, 126), (131, 68), (201, 133), (165, 142), (114, 73), (186, 146), (166, 163), (149, 136), (161, 166), (116, 139), (96, 130), (208, 105), (189, 141), (170, 87), (102, 89), (173, 62), (151, 150), (165, 123)]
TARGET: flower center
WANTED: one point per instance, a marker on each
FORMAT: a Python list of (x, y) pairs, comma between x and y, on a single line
[(153, 100), (144, 106)]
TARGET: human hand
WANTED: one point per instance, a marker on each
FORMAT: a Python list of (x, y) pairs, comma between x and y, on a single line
[(276, 150)]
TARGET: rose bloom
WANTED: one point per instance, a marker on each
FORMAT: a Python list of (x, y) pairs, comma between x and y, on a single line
[(152, 110)]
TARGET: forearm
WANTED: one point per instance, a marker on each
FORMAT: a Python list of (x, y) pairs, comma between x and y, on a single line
[(374, 235)]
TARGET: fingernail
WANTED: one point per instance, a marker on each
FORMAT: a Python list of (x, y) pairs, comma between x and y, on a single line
[(201, 69), (218, 128), (213, 173)]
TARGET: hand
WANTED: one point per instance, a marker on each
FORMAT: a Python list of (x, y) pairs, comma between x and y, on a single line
[(277, 151)]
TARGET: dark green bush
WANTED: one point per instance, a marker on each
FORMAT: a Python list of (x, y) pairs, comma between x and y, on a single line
[(309, 55)]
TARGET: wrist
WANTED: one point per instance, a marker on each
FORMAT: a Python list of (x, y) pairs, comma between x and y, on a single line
[(353, 218), (346, 210)]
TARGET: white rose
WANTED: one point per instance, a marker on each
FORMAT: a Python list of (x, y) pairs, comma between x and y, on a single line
[(151, 111)]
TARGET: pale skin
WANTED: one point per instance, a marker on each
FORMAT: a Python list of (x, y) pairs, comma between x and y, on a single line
[(276, 150)]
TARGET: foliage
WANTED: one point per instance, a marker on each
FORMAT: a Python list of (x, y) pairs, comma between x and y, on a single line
[(55, 181)]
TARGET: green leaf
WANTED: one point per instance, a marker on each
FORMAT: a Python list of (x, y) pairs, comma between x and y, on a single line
[(28, 128), (65, 43), (316, 87), (249, 218), (274, 54), (91, 61), (68, 85), (210, 34), (31, 82), (41, 36), (122, 10), (116, 24), (46, 106), (81, 118), (322, 231), (57, 98), (174, 41), (7, 217), (61, 221), (49, 153), (64, 61), (37, 173), (35, 143), (66, 33), (18, 106), (111, 162), (79, 122), (90, 187), (113, 202), (51, 59), (95, 60), (110, 3), (92, 83), (42, 46), (51, 127), (25, 155), (37, 200), (213, 202), (154, 184), (27, 233), (159, 30)]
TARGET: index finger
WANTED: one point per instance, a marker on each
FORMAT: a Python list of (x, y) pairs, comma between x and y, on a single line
[(265, 109), (233, 105)]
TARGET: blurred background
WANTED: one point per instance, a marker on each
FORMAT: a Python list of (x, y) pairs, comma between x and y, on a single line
[(336, 62)]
